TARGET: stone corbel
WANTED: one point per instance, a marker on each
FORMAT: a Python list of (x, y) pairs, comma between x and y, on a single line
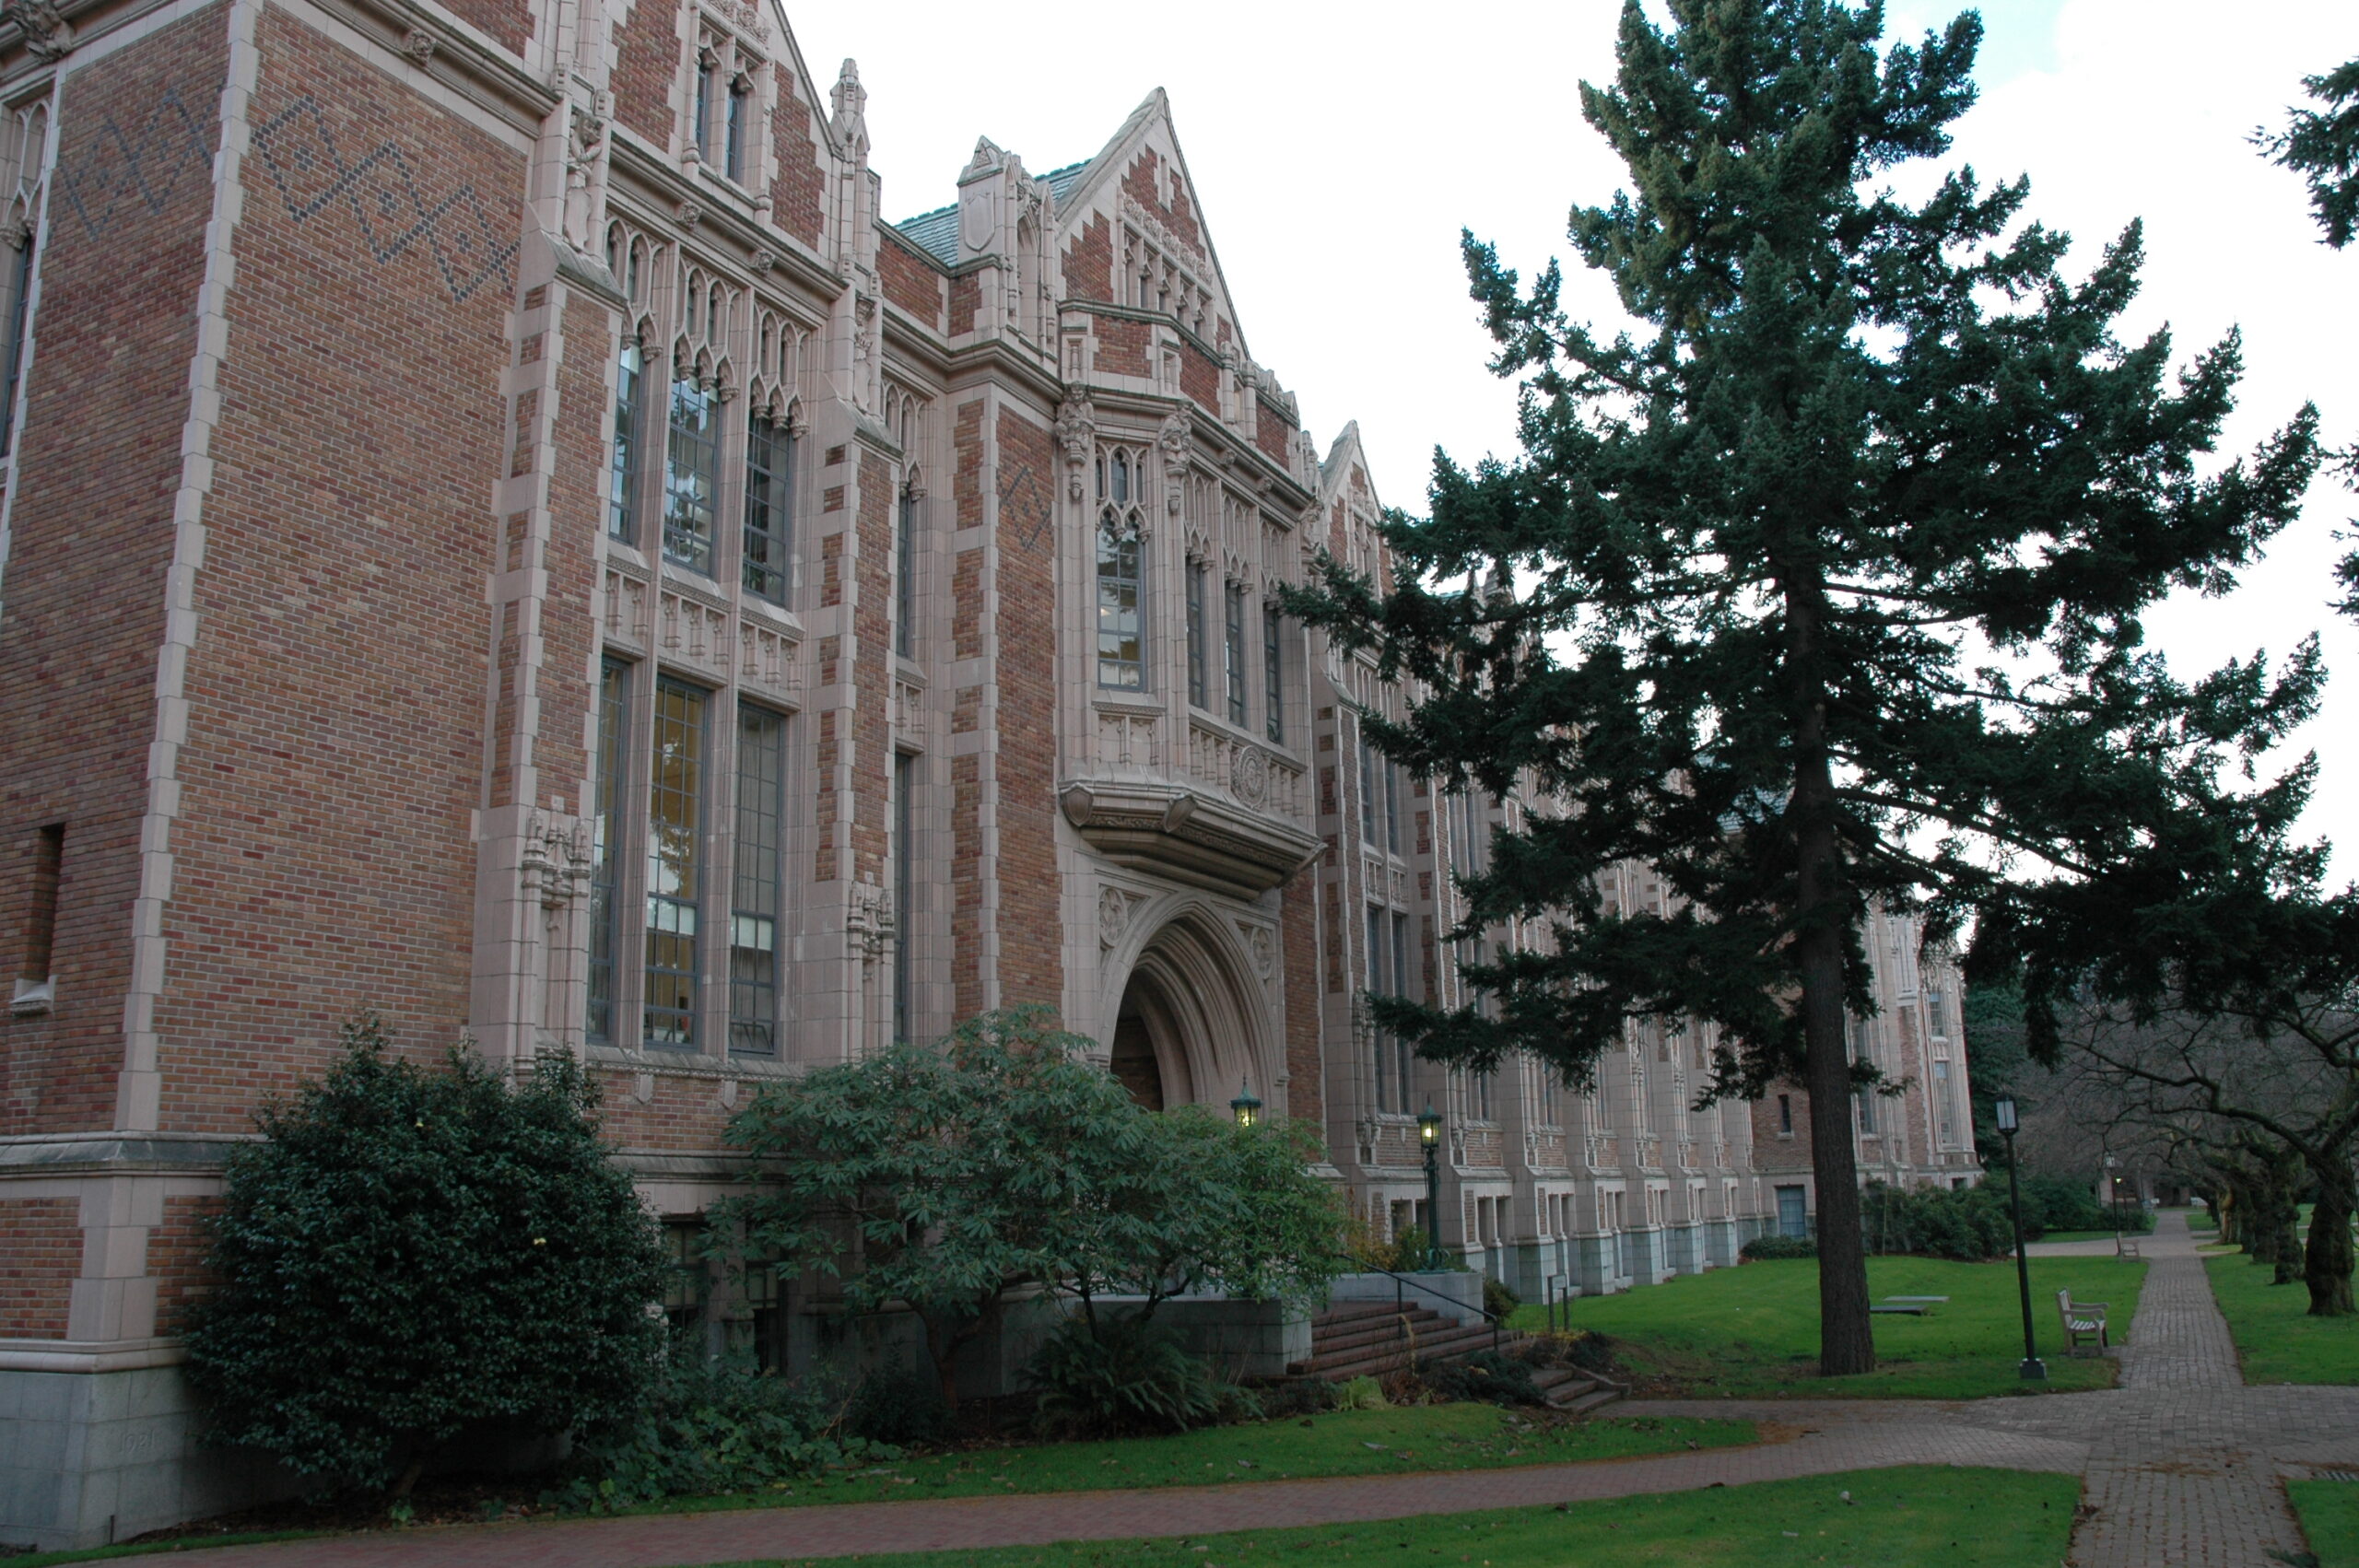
[(49, 38), (1077, 438)]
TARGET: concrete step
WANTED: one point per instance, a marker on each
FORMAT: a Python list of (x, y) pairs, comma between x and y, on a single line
[(1372, 1331)]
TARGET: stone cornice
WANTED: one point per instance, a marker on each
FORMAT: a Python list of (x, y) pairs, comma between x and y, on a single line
[(70, 1153), (454, 54)]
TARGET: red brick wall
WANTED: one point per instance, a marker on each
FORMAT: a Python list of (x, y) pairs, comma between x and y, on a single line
[(799, 188), (966, 776), (509, 22), (1030, 914), (42, 1238), (1274, 433), (683, 1113), (1298, 951), (567, 632), (99, 461), (1122, 347), (1179, 217), (872, 720), (1200, 378), (1089, 262), (334, 753), (176, 1252), (909, 280), (966, 302), (647, 67)]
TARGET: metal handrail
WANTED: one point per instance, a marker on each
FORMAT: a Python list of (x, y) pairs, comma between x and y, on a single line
[(1400, 1283)]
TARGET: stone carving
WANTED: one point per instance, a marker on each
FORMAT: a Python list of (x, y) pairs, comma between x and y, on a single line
[(1173, 439), (555, 861), (419, 45), (688, 215), (1259, 946), (49, 38), (848, 116), (870, 922), (1077, 438), (1113, 916), (762, 259), (1249, 775)]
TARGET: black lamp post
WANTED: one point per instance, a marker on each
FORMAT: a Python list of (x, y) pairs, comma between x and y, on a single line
[(2034, 1369), (1429, 1134), (1246, 1107)]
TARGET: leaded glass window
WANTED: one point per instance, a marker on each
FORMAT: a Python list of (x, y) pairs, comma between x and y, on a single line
[(1273, 687), (20, 290), (691, 470), (1232, 647), (732, 147), (704, 109), (605, 840), (770, 508), (1121, 641), (675, 864), (1197, 693), (622, 515), (905, 777), (905, 571), (756, 891)]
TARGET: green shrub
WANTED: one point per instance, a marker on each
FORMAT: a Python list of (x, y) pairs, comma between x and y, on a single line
[(709, 1427), (897, 1403), (407, 1253), (1487, 1376), (1969, 1224), (1120, 1373), (1761, 1247), (1498, 1299), (1359, 1394)]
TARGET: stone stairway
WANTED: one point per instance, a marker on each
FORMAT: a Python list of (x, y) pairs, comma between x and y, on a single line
[(1369, 1338)]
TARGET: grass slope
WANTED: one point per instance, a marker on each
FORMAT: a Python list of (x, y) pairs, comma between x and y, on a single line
[(1753, 1331), (2276, 1338), (2330, 1514), (1399, 1440), (1956, 1518)]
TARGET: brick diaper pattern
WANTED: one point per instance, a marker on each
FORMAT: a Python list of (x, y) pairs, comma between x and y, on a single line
[(384, 195), (174, 143)]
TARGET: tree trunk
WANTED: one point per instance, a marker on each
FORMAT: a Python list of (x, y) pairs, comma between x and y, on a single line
[(2327, 1268), (1846, 1344), (2285, 1216)]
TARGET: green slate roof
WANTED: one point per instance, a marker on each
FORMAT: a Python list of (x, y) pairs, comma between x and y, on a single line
[(936, 232)]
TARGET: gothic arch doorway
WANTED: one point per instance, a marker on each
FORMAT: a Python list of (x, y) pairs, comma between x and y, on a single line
[(1191, 1027)]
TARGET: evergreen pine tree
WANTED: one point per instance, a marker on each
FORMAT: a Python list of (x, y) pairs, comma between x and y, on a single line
[(1826, 588)]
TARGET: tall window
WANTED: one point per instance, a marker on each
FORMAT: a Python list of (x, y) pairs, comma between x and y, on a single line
[(1122, 652), (1273, 685), (1369, 805), (1482, 1095), (1945, 1114), (1197, 692), (732, 145), (1937, 1020), (905, 566), (605, 842), (21, 292), (704, 108), (675, 864), (36, 961), (622, 517), (1377, 947), (1392, 808), (905, 774), (770, 508), (1232, 647), (756, 896), (1474, 831), (691, 467)]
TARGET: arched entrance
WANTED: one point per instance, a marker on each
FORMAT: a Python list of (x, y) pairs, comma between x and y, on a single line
[(1191, 1027)]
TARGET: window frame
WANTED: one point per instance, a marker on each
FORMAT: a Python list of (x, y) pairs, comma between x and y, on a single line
[(758, 856), (1232, 635), (692, 475), (770, 496), (610, 784), (673, 918)]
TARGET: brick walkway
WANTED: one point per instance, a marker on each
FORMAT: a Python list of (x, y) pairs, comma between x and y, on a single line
[(2181, 1465)]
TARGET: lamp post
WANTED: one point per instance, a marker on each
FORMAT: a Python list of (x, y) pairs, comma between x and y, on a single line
[(1246, 1107), (2034, 1369), (1429, 1134)]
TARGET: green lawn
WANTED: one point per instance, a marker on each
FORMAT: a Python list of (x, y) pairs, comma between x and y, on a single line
[(2330, 1515), (2201, 1219), (1398, 1440), (1753, 1330), (1907, 1518), (2276, 1338)]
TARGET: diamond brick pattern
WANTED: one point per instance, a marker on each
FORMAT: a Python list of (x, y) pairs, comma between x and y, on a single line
[(386, 198), (144, 164)]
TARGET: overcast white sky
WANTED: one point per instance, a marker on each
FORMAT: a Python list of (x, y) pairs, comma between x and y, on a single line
[(1339, 150)]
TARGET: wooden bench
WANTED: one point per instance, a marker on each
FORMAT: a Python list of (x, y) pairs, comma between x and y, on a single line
[(2125, 1246), (2083, 1323)]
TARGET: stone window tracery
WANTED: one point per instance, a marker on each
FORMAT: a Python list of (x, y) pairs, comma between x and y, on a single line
[(757, 891), (725, 103), (24, 142), (1122, 526)]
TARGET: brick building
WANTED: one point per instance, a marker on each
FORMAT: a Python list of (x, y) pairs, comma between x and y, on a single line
[(498, 529)]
